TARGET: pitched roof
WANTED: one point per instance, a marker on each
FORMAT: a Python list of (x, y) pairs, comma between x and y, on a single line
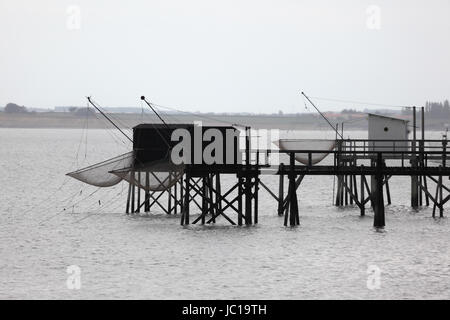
[(387, 117)]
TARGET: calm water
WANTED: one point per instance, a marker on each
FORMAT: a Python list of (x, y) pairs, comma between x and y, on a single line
[(49, 222)]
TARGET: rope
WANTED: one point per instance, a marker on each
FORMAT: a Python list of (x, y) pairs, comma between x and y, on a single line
[(110, 202), (72, 205)]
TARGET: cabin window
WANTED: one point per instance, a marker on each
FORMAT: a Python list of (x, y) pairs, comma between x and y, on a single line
[(386, 129)]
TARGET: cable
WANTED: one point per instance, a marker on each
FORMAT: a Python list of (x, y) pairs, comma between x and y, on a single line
[(112, 122), (360, 102), (323, 116), (199, 116)]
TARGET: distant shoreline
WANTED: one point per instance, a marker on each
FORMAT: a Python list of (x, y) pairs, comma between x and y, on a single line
[(128, 120)]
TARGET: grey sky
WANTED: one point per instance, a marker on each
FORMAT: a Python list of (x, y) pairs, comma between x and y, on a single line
[(238, 56)]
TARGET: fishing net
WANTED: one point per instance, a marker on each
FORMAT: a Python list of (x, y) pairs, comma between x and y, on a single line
[(157, 175), (100, 174), (307, 144)]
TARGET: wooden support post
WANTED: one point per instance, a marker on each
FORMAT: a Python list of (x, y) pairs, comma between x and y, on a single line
[(248, 179), (175, 193), (425, 185), (248, 200), (373, 186), (388, 190), (181, 193), (379, 218), (169, 196), (128, 199), (210, 195), (444, 164), (363, 205), (345, 190), (351, 188), (255, 193), (133, 179), (414, 192), (138, 209), (292, 194), (281, 190), (185, 213), (293, 207), (218, 197), (355, 185), (338, 192), (147, 192), (240, 193), (414, 180), (369, 192), (255, 200), (420, 192), (204, 199), (441, 206), (422, 161), (436, 198)]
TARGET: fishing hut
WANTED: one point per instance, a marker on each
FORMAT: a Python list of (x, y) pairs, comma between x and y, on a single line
[(185, 162)]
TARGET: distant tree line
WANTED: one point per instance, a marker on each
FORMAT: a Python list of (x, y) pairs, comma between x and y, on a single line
[(433, 110), (14, 108), (438, 109)]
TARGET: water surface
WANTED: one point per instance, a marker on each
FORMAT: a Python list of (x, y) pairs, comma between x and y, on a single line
[(49, 222)]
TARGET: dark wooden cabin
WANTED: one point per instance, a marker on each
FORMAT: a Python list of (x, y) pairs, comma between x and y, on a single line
[(151, 142)]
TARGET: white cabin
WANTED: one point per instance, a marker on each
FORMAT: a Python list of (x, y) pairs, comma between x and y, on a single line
[(387, 128)]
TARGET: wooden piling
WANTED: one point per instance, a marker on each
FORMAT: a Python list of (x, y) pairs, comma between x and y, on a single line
[(255, 200), (414, 180), (128, 199), (175, 193), (292, 194), (204, 200), (388, 190), (379, 217), (218, 199), (248, 200), (147, 192), (181, 193), (185, 213), (133, 179), (281, 190), (240, 193), (363, 206), (138, 209), (441, 207)]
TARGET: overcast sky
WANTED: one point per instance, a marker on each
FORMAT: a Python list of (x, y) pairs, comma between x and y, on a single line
[(237, 56)]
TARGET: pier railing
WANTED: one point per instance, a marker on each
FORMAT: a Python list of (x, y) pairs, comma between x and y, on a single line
[(408, 153)]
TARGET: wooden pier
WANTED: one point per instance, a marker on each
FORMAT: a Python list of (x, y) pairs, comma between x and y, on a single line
[(363, 169)]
